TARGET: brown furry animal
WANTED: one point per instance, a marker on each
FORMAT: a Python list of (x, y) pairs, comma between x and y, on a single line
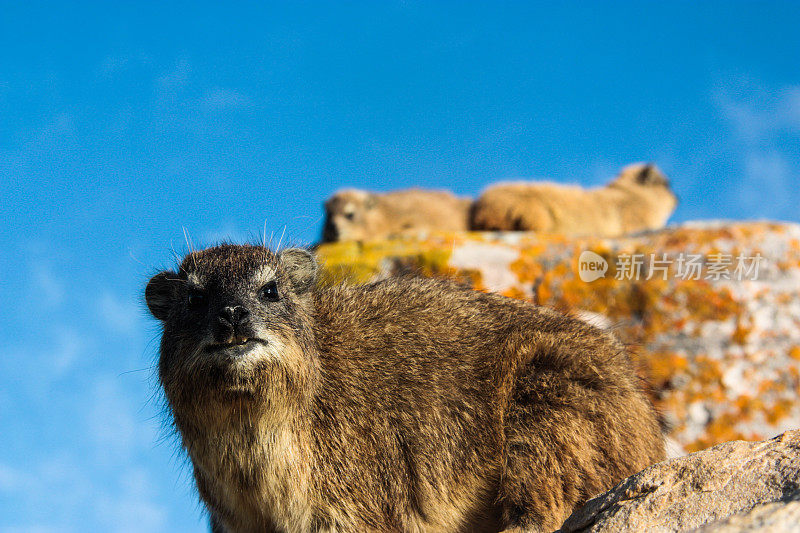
[(355, 215), (405, 405), (639, 198)]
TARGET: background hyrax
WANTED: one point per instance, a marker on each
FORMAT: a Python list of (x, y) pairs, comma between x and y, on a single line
[(401, 405), (355, 215), (639, 198)]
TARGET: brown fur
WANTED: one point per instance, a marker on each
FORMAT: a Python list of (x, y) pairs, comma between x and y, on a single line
[(355, 215), (409, 404), (638, 199)]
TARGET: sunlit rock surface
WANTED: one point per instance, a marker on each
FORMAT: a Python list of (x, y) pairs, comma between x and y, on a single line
[(716, 336), (733, 487)]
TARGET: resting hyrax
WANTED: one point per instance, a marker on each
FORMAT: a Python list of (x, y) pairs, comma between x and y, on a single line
[(639, 198), (407, 404), (355, 215)]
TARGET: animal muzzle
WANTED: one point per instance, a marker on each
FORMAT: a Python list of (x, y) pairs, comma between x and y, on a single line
[(330, 233), (232, 322)]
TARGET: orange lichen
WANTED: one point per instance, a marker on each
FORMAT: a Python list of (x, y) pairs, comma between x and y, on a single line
[(741, 333), (794, 353), (515, 292), (720, 429), (527, 266), (748, 406), (779, 410), (661, 367)]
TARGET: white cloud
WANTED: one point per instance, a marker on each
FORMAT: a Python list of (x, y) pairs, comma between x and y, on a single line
[(64, 352), (32, 528), (175, 78), (113, 425), (66, 496), (104, 482), (120, 316), (224, 99), (56, 483), (50, 288), (50, 360), (766, 128), (760, 114), (767, 175), (12, 479), (132, 508)]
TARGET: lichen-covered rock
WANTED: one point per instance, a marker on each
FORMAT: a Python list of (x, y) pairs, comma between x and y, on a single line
[(736, 486), (711, 310)]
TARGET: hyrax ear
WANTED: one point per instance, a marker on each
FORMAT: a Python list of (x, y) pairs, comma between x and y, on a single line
[(160, 294), (650, 175), (300, 266)]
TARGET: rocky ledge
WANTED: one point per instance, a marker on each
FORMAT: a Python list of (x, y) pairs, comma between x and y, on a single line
[(736, 486)]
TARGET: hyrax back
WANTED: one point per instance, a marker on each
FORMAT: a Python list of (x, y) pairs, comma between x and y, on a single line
[(356, 215), (401, 405), (638, 199)]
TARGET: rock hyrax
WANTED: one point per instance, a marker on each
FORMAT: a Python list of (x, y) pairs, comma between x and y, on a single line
[(407, 404), (638, 199), (356, 215)]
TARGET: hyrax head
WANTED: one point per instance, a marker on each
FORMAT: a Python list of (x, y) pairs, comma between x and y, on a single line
[(230, 314), (647, 177), (349, 216), (643, 174)]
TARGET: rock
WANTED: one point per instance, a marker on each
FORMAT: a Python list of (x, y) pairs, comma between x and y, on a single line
[(719, 344), (781, 517), (735, 486)]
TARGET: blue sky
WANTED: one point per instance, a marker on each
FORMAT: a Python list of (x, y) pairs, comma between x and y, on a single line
[(123, 125)]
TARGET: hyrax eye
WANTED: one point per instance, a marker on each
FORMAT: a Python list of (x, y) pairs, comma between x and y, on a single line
[(269, 292), (195, 298), (350, 215)]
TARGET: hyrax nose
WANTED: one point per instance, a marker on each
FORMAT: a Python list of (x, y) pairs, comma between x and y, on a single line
[(234, 315), (330, 232), (231, 322)]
